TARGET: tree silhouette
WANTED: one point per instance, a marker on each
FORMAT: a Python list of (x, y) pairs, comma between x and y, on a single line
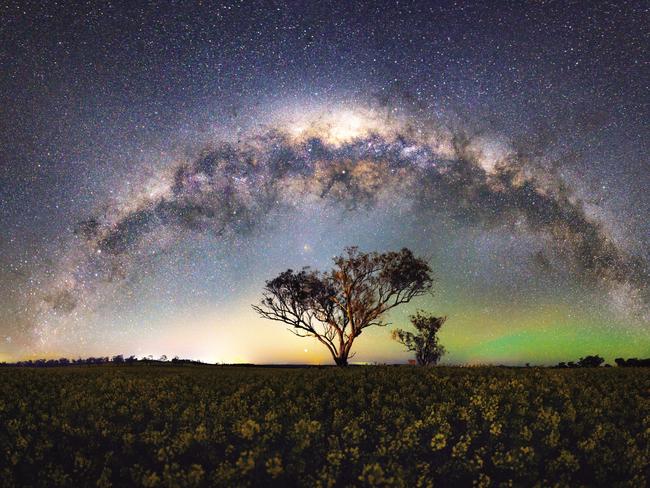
[(335, 306), (425, 342), (590, 361), (633, 363)]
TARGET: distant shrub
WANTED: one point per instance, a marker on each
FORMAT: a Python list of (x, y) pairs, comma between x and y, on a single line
[(586, 362), (590, 362), (632, 363)]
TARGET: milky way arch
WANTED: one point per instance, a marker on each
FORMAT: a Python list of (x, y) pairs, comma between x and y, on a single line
[(353, 161)]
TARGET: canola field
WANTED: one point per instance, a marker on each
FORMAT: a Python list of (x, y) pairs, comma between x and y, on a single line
[(136, 425)]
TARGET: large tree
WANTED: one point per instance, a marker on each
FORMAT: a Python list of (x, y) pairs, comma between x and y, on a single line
[(335, 306)]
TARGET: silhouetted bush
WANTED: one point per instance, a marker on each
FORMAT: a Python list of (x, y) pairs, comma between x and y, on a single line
[(590, 362), (632, 363), (119, 359), (596, 361)]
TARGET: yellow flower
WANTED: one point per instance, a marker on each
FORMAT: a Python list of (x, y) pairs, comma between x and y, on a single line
[(274, 466), (438, 441)]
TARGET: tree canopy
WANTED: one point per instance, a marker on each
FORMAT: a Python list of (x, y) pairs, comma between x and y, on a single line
[(335, 306), (424, 342)]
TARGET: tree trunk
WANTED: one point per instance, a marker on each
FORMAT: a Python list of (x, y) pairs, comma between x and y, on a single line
[(420, 359), (341, 360)]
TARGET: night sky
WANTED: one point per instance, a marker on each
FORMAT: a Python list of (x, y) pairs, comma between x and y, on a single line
[(158, 164)]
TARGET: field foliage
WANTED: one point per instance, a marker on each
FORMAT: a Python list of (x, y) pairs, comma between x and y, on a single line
[(374, 426)]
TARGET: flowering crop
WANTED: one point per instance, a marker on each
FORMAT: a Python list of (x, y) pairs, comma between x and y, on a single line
[(368, 426)]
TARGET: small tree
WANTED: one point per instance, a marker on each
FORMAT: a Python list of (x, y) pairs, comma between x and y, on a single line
[(335, 307), (425, 342)]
